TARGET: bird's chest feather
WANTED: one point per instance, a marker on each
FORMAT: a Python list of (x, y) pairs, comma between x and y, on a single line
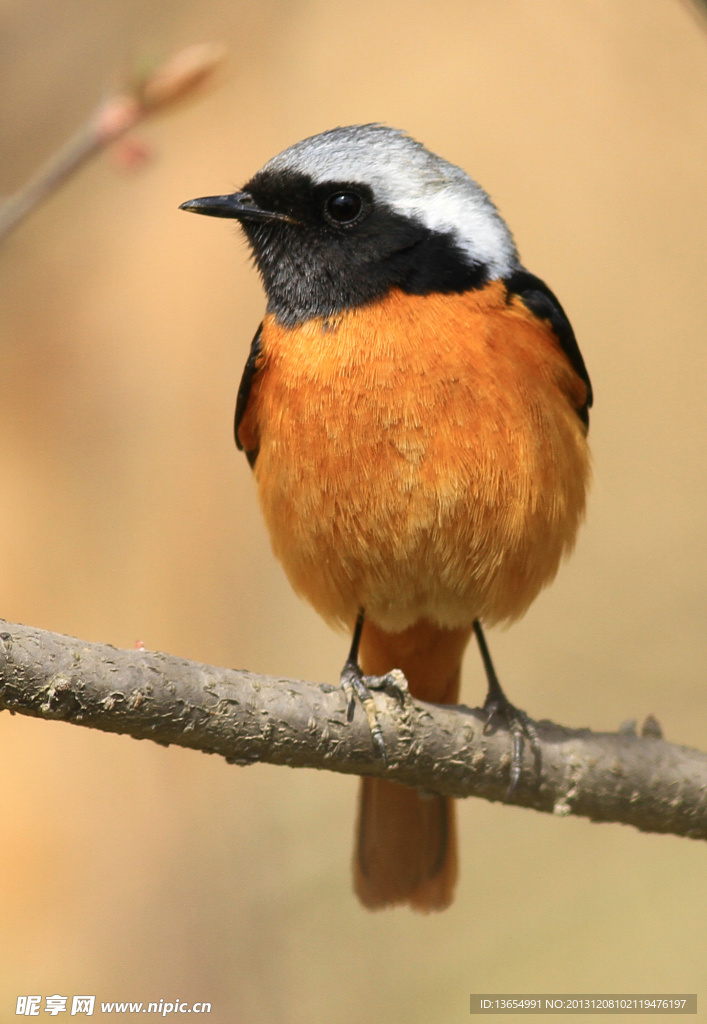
[(407, 392), (412, 428)]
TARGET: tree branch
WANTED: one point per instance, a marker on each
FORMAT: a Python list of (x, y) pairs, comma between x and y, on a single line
[(638, 780), (156, 89)]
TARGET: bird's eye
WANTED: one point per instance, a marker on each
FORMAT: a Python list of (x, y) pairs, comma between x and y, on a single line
[(344, 207)]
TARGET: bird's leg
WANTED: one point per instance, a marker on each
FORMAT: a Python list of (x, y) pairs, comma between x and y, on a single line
[(497, 705), (356, 685)]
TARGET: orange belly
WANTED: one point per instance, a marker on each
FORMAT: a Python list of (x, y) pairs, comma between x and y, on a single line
[(420, 457)]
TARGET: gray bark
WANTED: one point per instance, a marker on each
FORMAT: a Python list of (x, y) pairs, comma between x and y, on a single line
[(638, 780)]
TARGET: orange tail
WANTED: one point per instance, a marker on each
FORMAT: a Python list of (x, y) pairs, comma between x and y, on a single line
[(406, 849)]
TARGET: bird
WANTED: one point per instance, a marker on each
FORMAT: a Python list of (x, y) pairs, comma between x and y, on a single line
[(415, 409)]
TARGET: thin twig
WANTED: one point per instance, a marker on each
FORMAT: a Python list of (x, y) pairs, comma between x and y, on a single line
[(170, 82)]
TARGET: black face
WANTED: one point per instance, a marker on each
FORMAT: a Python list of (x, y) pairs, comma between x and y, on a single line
[(333, 247)]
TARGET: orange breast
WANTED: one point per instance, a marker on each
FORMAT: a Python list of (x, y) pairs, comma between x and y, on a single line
[(420, 457)]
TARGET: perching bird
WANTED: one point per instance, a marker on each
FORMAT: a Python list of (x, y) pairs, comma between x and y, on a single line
[(415, 409)]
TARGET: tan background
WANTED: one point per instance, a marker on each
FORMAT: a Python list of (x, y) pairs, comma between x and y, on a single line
[(135, 872)]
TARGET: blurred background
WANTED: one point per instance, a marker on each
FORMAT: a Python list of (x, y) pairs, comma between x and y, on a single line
[(140, 873)]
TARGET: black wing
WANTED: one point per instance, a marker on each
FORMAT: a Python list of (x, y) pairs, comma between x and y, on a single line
[(246, 384), (536, 295)]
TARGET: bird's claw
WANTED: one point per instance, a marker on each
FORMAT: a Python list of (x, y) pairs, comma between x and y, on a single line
[(393, 682), (521, 728), (357, 686)]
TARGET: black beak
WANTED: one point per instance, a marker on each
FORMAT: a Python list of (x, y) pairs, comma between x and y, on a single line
[(239, 205)]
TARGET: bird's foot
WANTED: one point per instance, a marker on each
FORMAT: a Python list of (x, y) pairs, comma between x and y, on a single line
[(357, 686), (521, 728)]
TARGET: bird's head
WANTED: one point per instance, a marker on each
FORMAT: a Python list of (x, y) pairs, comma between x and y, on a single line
[(339, 219)]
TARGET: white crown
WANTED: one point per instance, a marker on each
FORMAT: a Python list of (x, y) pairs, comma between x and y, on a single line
[(411, 181)]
